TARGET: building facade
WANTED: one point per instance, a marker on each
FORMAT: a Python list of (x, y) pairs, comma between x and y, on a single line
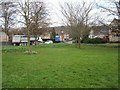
[(3, 37), (114, 32)]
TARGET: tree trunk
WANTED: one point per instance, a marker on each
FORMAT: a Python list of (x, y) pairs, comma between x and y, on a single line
[(76, 42), (35, 40), (28, 26), (29, 41), (79, 42)]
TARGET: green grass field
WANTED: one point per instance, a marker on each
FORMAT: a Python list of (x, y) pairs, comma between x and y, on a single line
[(60, 66)]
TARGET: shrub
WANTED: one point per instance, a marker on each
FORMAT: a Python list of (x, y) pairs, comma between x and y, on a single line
[(13, 49), (94, 40), (30, 52)]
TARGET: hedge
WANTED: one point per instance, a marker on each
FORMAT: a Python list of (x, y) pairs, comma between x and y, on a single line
[(94, 40)]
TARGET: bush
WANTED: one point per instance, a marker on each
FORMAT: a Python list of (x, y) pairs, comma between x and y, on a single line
[(94, 40), (28, 52), (13, 49)]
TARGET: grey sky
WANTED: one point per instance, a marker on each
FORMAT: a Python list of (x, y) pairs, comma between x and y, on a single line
[(55, 15)]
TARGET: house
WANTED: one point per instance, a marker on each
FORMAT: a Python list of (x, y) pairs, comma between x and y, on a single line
[(92, 34), (51, 32), (114, 32), (100, 32), (63, 32), (104, 33), (3, 37)]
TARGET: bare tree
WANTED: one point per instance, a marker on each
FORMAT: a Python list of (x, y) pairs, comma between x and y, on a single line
[(24, 10), (39, 18), (113, 9), (76, 16), (7, 18), (34, 15)]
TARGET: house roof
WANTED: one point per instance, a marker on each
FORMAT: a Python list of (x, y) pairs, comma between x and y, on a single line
[(98, 30), (115, 25), (104, 31), (116, 20)]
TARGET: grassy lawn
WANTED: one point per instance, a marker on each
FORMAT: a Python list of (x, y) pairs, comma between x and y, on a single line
[(60, 66)]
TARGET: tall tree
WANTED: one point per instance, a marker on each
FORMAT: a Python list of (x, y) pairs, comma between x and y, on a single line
[(24, 10), (39, 18), (7, 15), (76, 16), (35, 17)]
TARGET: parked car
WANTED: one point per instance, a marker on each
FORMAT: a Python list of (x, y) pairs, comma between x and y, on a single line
[(48, 42), (68, 42)]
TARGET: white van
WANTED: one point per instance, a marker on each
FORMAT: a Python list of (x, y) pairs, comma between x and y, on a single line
[(23, 39)]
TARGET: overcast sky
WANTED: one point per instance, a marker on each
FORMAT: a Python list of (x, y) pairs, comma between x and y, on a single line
[(55, 16), (53, 6)]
